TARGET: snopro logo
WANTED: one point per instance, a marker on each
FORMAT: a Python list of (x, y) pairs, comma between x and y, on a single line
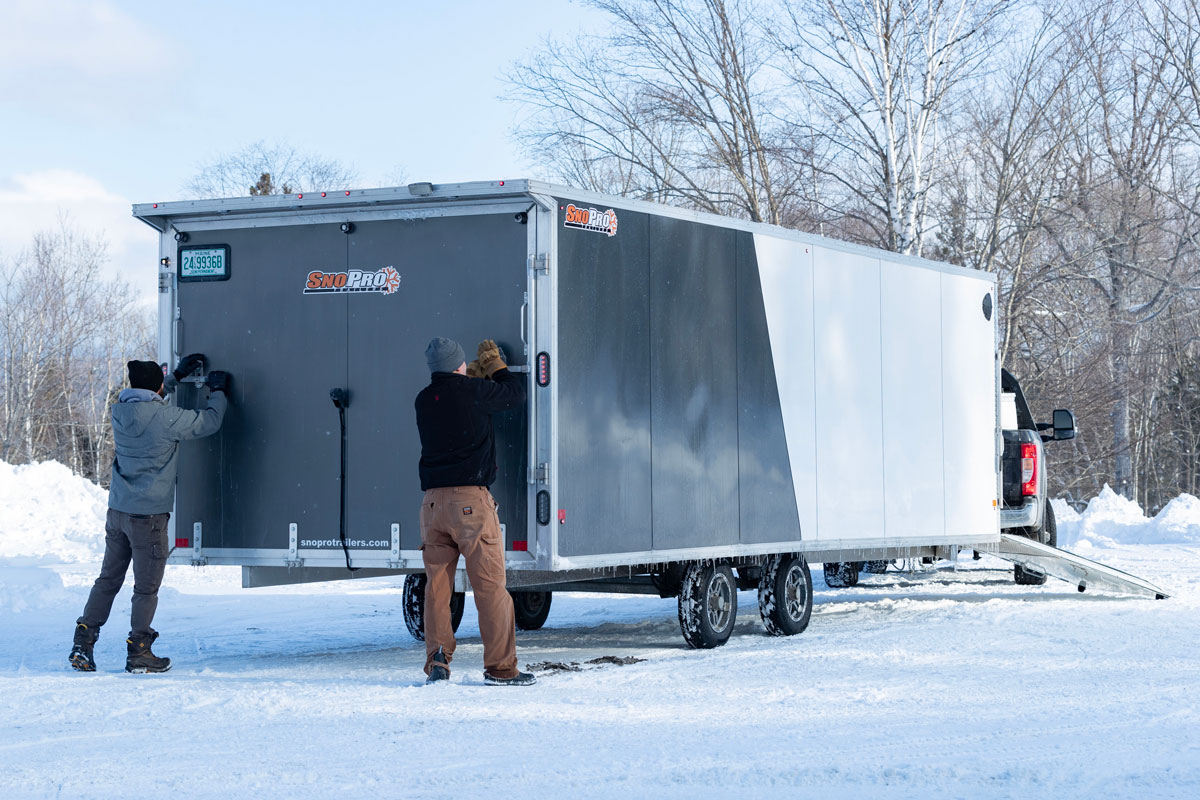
[(591, 219), (382, 281)]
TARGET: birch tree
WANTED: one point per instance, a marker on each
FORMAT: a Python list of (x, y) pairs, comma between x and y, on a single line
[(878, 81)]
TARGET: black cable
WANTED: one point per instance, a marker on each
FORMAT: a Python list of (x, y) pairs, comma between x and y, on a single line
[(340, 398)]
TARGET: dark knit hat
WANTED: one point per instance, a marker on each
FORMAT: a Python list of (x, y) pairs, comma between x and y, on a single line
[(444, 355), (145, 375)]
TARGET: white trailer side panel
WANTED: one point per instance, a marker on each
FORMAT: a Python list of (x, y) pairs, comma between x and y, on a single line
[(968, 407), (912, 401), (849, 396)]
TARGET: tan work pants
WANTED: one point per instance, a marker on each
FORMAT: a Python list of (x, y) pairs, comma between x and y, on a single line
[(462, 520)]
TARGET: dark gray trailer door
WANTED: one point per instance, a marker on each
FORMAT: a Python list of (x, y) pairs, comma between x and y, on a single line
[(380, 293), (463, 278), (275, 460)]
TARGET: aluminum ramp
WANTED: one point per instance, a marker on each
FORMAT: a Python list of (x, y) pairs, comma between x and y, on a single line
[(1083, 572)]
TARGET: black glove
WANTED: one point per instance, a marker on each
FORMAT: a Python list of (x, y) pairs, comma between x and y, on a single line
[(218, 381), (188, 365)]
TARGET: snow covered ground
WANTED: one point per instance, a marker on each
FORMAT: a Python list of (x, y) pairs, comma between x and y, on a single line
[(932, 684)]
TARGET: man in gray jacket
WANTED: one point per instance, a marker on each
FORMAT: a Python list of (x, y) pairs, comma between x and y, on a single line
[(146, 435)]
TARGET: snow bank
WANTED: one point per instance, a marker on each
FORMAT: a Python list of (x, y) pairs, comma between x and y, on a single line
[(23, 588), (49, 515), (1112, 519)]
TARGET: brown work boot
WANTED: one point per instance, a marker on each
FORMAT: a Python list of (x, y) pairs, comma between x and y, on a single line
[(440, 670)]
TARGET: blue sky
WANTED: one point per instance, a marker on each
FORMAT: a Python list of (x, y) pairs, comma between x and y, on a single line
[(103, 104)]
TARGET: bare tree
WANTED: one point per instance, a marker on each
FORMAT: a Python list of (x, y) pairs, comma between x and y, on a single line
[(261, 168), (65, 334), (675, 104), (1120, 231)]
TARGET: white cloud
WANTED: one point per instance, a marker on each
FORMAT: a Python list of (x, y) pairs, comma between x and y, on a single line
[(92, 37), (88, 56), (36, 201)]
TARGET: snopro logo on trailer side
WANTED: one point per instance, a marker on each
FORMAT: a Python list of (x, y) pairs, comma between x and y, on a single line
[(382, 281), (591, 219)]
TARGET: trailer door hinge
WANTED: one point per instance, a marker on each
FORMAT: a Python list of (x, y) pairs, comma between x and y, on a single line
[(293, 559), (394, 562), (540, 473), (198, 560), (539, 264), (164, 282)]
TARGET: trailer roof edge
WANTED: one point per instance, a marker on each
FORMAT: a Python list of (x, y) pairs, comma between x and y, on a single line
[(161, 216)]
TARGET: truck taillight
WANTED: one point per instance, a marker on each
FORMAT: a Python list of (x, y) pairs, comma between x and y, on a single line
[(1028, 469)]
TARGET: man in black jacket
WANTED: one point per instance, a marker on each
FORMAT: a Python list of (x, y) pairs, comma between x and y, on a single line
[(458, 513)]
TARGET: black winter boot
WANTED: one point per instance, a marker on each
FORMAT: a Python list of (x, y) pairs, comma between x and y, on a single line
[(81, 653), (141, 659)]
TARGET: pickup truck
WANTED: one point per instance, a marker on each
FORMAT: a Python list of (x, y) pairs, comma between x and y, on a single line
[(1025, 507)]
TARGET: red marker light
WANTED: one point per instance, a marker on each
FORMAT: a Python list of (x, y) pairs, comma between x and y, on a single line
[(347, 193), (520, 546), (156, 205), (299, 197), (322, 194), (501, 183), (562, 516)]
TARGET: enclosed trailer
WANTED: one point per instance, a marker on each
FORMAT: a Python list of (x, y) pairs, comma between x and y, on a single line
[(705, 394)]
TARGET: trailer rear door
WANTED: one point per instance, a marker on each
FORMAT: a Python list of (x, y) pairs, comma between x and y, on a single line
[(308, 308)]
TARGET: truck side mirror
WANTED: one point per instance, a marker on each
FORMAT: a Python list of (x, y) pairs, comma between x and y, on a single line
[(1064, 425)]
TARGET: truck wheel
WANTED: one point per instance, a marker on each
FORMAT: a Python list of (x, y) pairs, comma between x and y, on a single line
[(840, 574), (876, 567), (1047, 534), (413, 600), (785, 597), (707, 605), (531, 609)]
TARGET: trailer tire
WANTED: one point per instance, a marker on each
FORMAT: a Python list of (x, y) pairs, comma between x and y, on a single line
[(707, 605), (876, 567), (1047, 534), (840, 574), (413, 600), (785, 594), (530, 609)]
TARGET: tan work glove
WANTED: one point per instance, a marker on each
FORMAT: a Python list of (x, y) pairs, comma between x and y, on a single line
[(490, 358), (474, 370)]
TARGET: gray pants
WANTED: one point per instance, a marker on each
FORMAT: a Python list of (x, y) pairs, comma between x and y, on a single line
[(141, 538)]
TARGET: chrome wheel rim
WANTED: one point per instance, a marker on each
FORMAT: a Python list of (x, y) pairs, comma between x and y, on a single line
[(719, 602), (795, 593)]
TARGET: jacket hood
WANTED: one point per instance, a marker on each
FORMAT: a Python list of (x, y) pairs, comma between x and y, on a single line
[(134, 410)]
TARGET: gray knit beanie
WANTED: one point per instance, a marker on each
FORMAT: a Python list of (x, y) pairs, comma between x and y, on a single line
[(444, 355)]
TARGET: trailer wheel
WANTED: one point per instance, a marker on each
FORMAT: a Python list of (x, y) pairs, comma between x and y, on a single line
[(876, 567), (707, 605), (840, 574), (785, 596), (1048, 534), (413, 600), (531, 609)]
